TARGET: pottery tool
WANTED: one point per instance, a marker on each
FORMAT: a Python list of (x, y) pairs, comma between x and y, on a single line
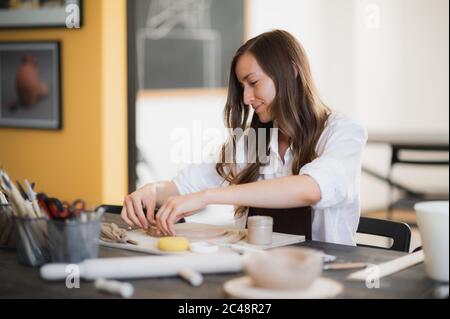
[(147, 267), (110, 232), (193, 277), (16, 200), (21, 201), (3, 200), (345, 266), (123, 289), (191, 231), (390, 267), (231, 236), (241, 249)]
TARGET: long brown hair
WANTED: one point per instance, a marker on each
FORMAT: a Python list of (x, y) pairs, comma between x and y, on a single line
[(297, 107)]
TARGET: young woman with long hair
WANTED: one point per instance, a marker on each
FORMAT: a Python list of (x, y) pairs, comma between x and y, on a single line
[(313, 157)]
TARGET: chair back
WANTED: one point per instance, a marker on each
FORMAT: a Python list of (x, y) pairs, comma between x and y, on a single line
[(296, 221), (399, 232)]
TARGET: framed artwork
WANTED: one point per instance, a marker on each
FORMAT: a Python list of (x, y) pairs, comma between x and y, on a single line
[(184, 46), (40, 13), (30, 85)]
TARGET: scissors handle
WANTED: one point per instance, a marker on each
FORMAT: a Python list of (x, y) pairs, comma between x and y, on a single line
[(77, 207), (56, 209)]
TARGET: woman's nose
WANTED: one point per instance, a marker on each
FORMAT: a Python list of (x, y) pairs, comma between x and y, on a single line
[(248, 96)]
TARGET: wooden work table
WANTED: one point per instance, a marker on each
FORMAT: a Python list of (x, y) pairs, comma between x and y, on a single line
[(17, 281)]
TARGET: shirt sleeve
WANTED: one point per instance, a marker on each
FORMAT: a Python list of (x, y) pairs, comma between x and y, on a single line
[(337, 170), (197, 177)]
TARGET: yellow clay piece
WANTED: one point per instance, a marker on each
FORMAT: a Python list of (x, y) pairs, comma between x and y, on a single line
[(173, 244)]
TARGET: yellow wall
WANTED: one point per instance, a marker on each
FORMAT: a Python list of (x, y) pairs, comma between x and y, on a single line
[(88, 157)]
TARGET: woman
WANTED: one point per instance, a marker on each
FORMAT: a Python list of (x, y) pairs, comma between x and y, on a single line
[(314, 160)]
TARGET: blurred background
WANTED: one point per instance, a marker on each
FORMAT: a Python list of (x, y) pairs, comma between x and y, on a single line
[(139, 74)]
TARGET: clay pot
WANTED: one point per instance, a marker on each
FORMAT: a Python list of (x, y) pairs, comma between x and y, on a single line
[(284, 268), (29, 88)]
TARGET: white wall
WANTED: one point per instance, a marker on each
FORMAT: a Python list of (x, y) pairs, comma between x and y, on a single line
[(384, 62), (392, 77), (402, 66), (157, 118), (325, 29)]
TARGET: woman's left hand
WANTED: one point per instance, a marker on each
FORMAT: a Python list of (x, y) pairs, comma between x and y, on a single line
[(177, 207)]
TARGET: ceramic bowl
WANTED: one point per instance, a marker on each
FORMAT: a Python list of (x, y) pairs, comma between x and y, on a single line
[(284, 268)]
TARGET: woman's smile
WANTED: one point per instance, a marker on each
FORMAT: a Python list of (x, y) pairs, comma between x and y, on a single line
[(258, 108)]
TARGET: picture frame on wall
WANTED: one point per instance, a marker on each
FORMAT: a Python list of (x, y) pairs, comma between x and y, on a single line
[(30, 85), (170, 32), (41, 14)]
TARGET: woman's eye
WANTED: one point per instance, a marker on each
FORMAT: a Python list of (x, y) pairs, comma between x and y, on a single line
[(253, 83)]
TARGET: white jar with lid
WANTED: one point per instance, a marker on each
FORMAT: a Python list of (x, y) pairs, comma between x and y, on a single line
[(259, 230)]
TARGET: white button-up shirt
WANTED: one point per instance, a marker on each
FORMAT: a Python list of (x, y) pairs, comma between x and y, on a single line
[(337, 171)]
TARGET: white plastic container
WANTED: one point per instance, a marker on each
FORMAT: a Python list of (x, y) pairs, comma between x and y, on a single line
[(433, 222)]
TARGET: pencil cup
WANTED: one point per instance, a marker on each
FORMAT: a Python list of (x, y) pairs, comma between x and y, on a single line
[(7, 240), (72, 241), (31, 241)]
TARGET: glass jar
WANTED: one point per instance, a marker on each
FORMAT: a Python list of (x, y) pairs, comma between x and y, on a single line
[(260, 230), (73, 241), (7, 238), (31, 241)]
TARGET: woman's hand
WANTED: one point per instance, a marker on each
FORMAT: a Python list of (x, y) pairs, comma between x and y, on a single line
[(134, 204), (178, 207)]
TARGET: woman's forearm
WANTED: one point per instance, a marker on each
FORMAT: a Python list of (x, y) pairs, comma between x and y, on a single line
[(164, 190), (283, 192)]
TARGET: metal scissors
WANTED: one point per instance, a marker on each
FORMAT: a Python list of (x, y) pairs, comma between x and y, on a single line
[(76, 208), (56, 209)]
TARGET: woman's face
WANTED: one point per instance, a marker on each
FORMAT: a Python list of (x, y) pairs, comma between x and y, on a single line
[(259, 89)]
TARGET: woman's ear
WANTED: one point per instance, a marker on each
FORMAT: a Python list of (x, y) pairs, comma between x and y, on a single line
[(295, 67)]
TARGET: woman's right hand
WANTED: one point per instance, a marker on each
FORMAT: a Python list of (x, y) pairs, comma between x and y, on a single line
[(134, 204)]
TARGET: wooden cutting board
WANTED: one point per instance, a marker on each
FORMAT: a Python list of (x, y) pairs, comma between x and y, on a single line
[(198, 232)]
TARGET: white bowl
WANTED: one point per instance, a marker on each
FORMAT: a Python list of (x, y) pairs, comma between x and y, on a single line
[(284, 268)]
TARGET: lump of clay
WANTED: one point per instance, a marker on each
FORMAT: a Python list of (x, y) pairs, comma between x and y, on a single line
[(154, 231)]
